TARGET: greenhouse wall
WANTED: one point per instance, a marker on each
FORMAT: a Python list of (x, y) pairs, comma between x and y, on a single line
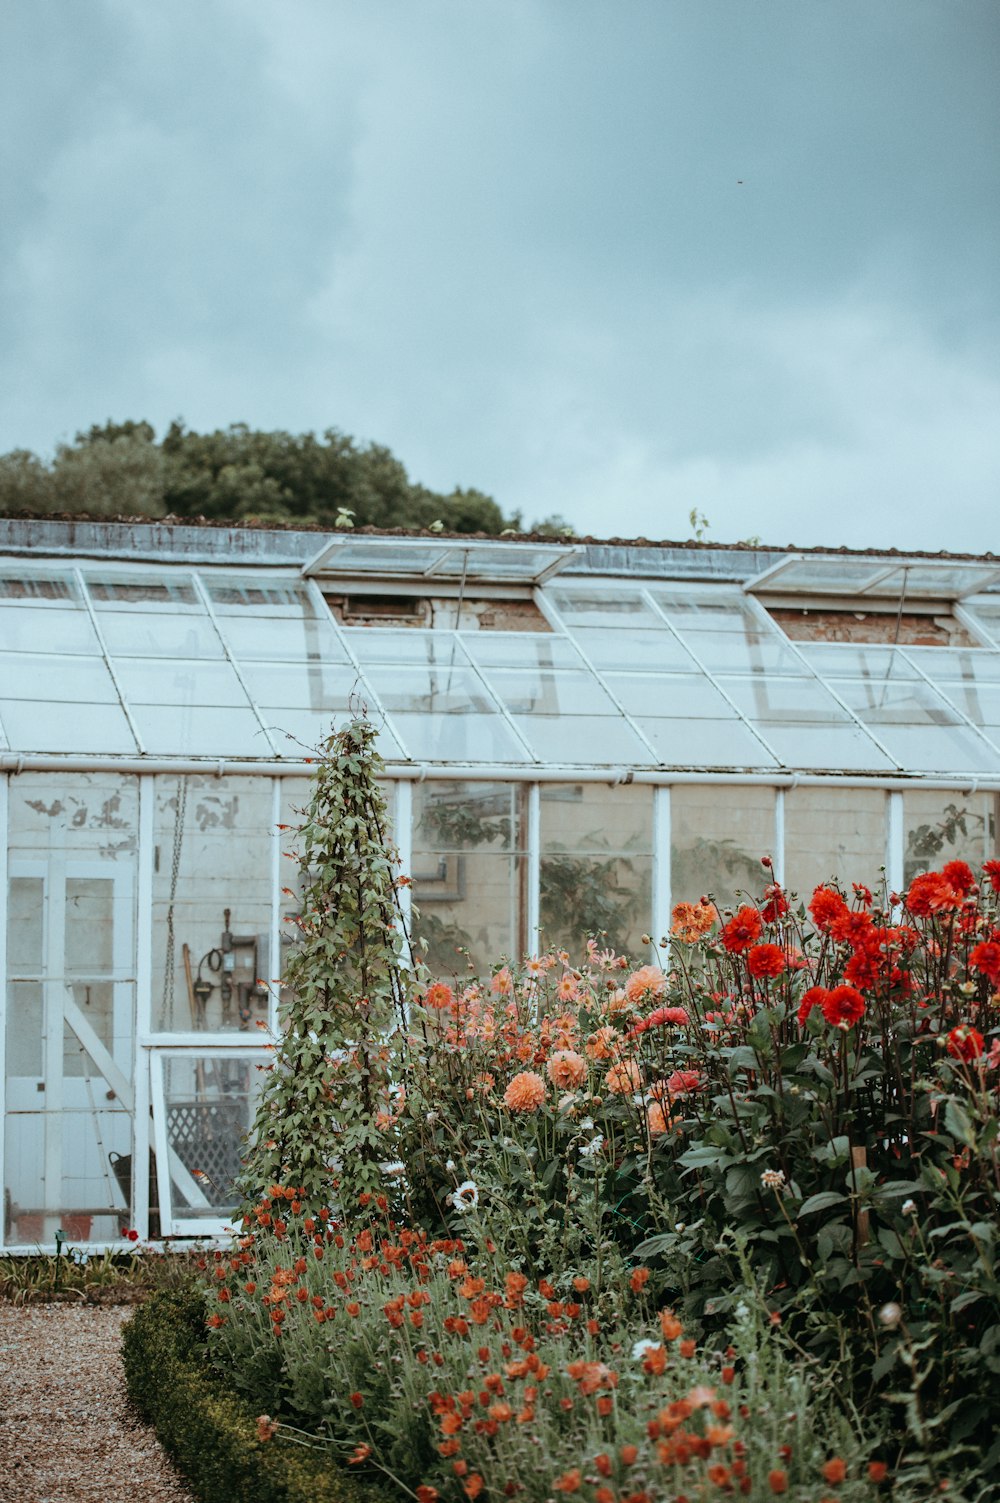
[(621, 729)]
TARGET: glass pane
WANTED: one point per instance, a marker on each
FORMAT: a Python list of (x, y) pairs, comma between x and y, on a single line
[(827, 748), (940, 827), (28, 675), (388, 644), (623, 607), (34, 725), (197, 731), (233, 595), (653, 650), (300, 686), (209, 1103), (837, 833), (596, 866), (705, 743), (506, 649), (458, 737), (47, 628), (286, 638), (750, 651), (153, 681), (211, 902), (690, 696), (717, 838), (986, 613), (145, 588), (162, 634), (469, 873), (71, 981), (579, 741), (976, 665), (550, 692)]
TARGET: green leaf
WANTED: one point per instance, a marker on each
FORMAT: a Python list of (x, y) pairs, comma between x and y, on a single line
[(824, 1201)]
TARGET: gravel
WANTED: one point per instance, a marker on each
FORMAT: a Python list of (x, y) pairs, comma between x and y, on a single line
[(67, 1433)]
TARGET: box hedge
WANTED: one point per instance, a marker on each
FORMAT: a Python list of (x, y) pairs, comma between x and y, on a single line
[(210, 1432)]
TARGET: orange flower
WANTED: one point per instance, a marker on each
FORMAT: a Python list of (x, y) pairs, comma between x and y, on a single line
[(473, 1485), (691, 921), (427, 1494), (601, 1044), (628, 1454), (639, 1279), (645, 985), (569, 1482), (361, 1453), (877, 1471), (778, 1480), (658, 1119), (525, 1093), (655, 1361), (742, 931), (566, 1069), (624, 1078), (834, 1470), (266, 1427)]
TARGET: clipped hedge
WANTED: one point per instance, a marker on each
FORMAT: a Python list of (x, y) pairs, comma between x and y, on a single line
[(209, 1432)]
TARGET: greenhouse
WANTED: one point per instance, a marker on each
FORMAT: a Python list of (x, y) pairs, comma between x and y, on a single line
[(575, 736)]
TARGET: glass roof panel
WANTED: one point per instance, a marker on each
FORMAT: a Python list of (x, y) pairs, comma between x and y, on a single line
[(432, 690), (936, 581), (458, 738), (829, 747), (312, 686), (143, 588), (143, 633), (825, 576), (708, 744), (976, 665), (858, 660), (18, 583), (986, 613), (939, 748), (43, 627), (447, 558), (155, 681), (38, 726), (200, 730), (550, 692), (773, 700), (283, 638), (66, 680), (895, 701), (721, 608), (580, 605), (581, 740), (671, 696), (273, 595), (751, 651), (653, 649), (981, 702), (508, 649), (386, 644)]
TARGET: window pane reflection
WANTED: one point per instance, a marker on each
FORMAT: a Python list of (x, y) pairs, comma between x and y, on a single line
[(596, 866)]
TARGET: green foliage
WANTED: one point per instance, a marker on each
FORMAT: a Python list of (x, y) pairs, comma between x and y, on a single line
[(237, 473), (329, 1094), (96, 1278), (210, 1434)]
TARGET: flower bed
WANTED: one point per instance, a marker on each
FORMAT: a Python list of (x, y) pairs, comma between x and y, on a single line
[(211, 1435)]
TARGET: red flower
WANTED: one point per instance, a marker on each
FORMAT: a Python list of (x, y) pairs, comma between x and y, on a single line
[(984, 958), (682, 1082), (843, 1007), (814, 997), (826, 905), (854, 929), (778, 1480), (743, 930), (959, 874), (775, 904), (930, 893), (661, 1015), (965, 1043), (765, 960), (992, 870), (863, 969), (834, 1470)]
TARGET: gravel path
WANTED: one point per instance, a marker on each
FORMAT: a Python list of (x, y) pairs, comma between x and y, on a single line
[(67, 1434)]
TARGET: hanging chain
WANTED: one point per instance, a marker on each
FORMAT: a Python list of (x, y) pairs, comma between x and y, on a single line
[(175, 867)]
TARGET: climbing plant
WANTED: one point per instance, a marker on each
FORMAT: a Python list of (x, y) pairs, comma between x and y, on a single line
[(331, 1095)]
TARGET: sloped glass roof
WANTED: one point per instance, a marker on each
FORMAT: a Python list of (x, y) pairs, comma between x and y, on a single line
[(214, 663)]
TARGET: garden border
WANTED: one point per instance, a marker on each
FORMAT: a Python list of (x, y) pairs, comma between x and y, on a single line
[(207, 1431)]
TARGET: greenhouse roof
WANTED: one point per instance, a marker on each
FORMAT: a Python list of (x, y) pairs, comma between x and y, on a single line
[(154, 644)]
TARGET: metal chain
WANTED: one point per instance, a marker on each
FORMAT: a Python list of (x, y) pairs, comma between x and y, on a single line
[(168, 970)]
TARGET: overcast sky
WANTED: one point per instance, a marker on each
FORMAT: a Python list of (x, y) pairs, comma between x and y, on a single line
[(614, 259)]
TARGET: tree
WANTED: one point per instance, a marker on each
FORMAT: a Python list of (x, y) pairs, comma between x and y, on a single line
[(333, 1091)]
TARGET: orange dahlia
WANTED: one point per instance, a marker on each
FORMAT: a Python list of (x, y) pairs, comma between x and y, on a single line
[(525, 1093), (566, 1069)]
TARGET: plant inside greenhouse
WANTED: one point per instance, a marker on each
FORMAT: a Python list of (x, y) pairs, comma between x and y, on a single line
[(719, 1225)]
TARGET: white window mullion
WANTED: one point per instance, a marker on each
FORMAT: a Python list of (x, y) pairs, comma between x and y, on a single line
[(143, 1006), (533, 916), (662, 885), (4, 844), (778, 855)]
